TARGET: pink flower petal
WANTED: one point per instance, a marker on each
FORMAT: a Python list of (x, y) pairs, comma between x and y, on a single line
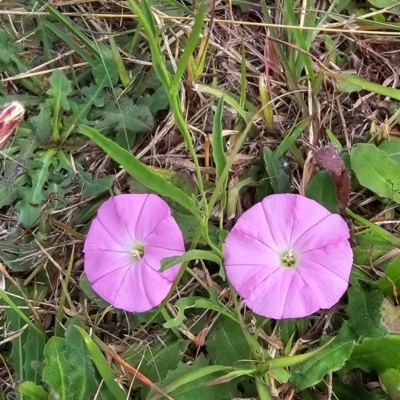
[(316, 237), (332, 229), (282, 295), (290, 215), (123, 225), (134, 289), (337, 257)]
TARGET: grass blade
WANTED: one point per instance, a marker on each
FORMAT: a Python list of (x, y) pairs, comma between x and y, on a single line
[(143, 174)]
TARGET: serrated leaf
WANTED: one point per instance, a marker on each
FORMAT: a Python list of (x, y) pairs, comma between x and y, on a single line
[(42, 123), (376, 171), (277, 176), (321, 188), (329, 359), (90, 186), (57, 368), (365, 312), (378, 354), (105, 72), (34, 197), (59, 91), (82, 381), (226, 343)]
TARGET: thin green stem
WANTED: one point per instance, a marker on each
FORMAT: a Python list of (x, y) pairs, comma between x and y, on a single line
[(262, 389)]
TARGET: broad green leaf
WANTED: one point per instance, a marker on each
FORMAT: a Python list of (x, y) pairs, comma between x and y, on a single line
[(102, 366), (392, 149), (329, 359), (376, 171), (365, 312), (33, 391), (378, 354), (188, 382), (57, 368), (392, 277), (321, 188), (190, 256), (217, 139), (226, 343), (145, 175), (156, 360), (390, 380), (276, 175), (34, 354), (82, 382)]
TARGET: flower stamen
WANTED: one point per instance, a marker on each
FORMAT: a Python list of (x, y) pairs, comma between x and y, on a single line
[(137, 252), (289, 258)]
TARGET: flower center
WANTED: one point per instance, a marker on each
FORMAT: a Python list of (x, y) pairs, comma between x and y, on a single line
[(289, 258), (137, 252)]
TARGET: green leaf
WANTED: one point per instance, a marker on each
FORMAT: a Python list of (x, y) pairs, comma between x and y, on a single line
[(365, 312), (34, 197), (32, 390), (188, 381), (226, 343), (331, 358), (190, 256), (57, 368), (42, 123), (355, 391), (383, 3), (34, 353), (82, 382), (104, 369), (322, 189), (277, 176), (378, 354), (157, 360), (346, 86), (390, 379), (376, 171), (217, 139), (198, 302), (59, 91), (392, 149), (392, 277), (90, 186), (145, 175)]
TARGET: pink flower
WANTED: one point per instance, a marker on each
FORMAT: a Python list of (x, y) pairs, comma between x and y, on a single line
[(10, 117), (288, 257), (126, 242)]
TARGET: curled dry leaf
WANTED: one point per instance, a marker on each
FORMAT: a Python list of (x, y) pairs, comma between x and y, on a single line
[(328, 158), (11, 116)]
